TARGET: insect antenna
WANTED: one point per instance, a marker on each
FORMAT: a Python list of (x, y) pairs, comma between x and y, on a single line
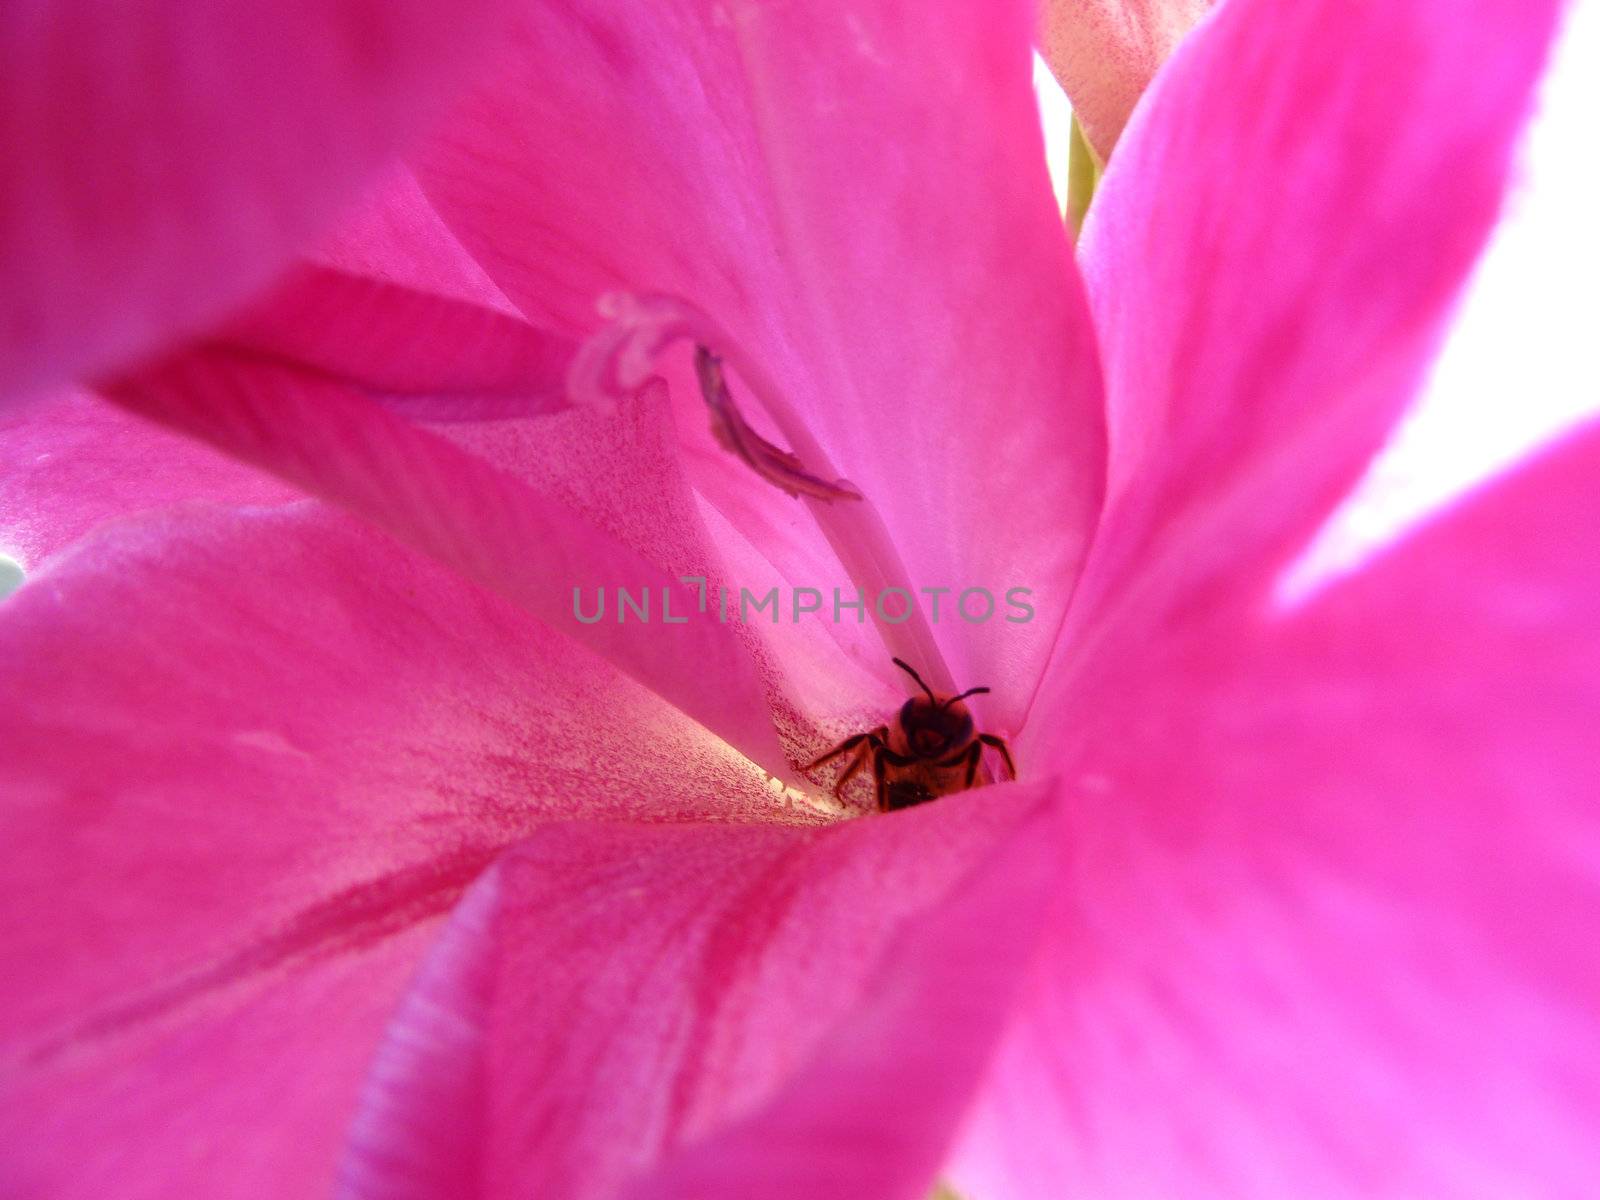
[(906, 667), (978, 691)]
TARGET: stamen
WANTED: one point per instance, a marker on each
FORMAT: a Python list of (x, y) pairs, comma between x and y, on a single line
[(776, 466), (617, 361)]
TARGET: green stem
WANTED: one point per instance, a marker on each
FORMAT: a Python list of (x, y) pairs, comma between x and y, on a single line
[(1083, 176)]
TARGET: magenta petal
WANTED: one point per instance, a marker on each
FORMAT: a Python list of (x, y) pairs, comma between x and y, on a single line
[(395, 234), (527, 545), (245, 753), (1272, 254), (161, 161), (71, 461), (433, 356), (1105, 52), (242, 1099), (603, 155), (1335, 887), (926, 1026), (710, 1011)]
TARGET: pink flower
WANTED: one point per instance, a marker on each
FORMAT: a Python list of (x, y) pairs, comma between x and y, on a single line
[(346, 859)]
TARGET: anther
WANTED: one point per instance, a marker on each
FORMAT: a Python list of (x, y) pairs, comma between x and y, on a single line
[(776, 466)]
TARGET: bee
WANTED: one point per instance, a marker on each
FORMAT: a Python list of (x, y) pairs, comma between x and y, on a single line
[(932, 750)]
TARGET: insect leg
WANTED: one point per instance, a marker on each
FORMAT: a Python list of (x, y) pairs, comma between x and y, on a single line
[(974, 757), (844, 747), (853, 767), (999, 743), (849, 744)]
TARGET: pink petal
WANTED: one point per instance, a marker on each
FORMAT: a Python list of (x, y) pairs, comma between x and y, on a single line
[(246, 753), (710, 1012), (926, 1026), (621, 471), (395, 234), (896, 266), (162, 161), (243, 1099), (533, 547), (434, 356), (392, 303), (1334, 887), (71, 461), (1272, 256), (1516, 367), (1105, 52)]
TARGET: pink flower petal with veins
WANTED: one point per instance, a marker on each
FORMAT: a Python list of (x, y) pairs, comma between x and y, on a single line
[(396, 235), (223, 854), (1332, 879), (612, 997), (432, 356), (71, 461), (481, 521), (163, 160), (1266, 315)]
